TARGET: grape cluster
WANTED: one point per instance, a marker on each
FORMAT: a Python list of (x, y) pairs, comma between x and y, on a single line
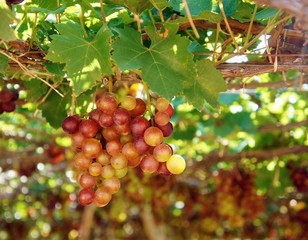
[(116, 136), (299, 176), (7, 100), (237, 194)]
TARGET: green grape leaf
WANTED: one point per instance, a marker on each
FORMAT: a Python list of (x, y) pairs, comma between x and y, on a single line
[(207, 85), (230, 7), (195, 6), (36, 89), (6, 32), (54, 107), (166, 64), (160, 4), (138, 6), (4, 63), (85, 60), (55, 68), (205, 15), (266, 13)]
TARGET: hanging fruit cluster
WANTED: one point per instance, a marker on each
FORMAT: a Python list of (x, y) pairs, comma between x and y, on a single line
[(117, 135), (7, 100)]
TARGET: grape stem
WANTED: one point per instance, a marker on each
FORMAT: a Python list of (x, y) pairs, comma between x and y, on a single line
[(146, 88), (110, 83)]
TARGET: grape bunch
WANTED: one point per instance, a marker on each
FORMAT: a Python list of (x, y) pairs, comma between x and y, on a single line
[(116, 136), (299, 176), (7, 100), (237, 194)]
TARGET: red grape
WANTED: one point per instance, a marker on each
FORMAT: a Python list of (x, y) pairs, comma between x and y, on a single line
[(126, 139), (170, 110), (139, 125), (95, 115), (153, 136), (163, 170), (139, 109), (77, 139), (112, 184), (128, 103), (123, 129), (149, 164), (91, 147), (134, 163), (103, 195), (167, 130), (70, 125), (141, 146), (82, 162), (86, 196), (161, 118), (106, 120), (87, 181), (162, 152), (8, 106), (6, 95), (95, 169), (129, 152), (118, 161), (121, 116), (162, 104), (103, 158), (15, 95), (113, 147), (107, 104), (110, 134), (88, 128)]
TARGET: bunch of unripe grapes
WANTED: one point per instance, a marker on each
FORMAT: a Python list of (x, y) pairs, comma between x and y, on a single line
[(7, 100), (116, 136)]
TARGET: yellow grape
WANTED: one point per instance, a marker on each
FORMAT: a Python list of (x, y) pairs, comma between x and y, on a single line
[(176, 164)]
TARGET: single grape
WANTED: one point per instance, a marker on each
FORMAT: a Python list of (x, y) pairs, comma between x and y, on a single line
[(134, 163), (129, 152), (123, 129), (126, 139), (95, 115), (110, 134), (153, 136), (103, 158), (163, 170), (176, 164), (103, 195), (141, 146), (98, 204), (8, 106), (105, 120), (121, 116), (139, 125), (1, 108), (91, 147), (87, 180), (170, 110), (107, 104), (86, 196), (161, 118), (119, 173), (162, 104), (113, 147), (167, 130), (149, 164), (139, 109), (6, 95), (95, 169), (15, 95), (77, 139), (108, 171), (162, 152), (118, 161), (128, 103), (70, 125), (88, 128), (112, 184), (82, 162)]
